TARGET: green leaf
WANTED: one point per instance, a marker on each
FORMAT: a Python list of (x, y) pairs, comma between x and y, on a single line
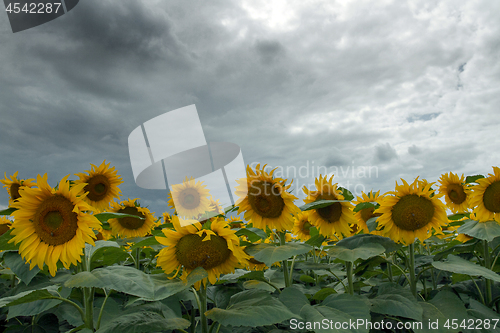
[(356, 241), (461, 266), (346, 193), (251, 308), (338, 308), (445, 304), (460, 248), (364, 251), (128, 280), (269, 254), (456, 217), (479, 311), (4, 242), (294, 299), (316, 240), (307, 279), (324, 293), (149, 241), (430, 315), (473, 179), (481, 230), (319, 204), (16, 263), (143, 321), (7, 211), (256, 284), (32, 308), (363, 205), (103, 217), (372, 223), (253, 234), (396, 301), (29, 296)]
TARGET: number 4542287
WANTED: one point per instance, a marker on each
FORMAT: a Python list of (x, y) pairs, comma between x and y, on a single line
[(33, 8)]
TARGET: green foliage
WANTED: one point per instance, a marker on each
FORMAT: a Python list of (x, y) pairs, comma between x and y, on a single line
[(269, 254), (319, 204), (480, 230), (458, 265)]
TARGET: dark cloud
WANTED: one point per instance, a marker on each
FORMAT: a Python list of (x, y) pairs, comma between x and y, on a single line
[(414, 150), (385, 153)]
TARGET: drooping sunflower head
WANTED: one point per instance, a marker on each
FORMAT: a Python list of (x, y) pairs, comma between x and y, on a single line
[(485, 197), (101, 184), (455, 192), (52, 225), (217, 249), (410, 212), (190, 198), (265, 200), (13, 185), (334, 219), (302, 225), (5, 224), (130, 227), (365, 214)]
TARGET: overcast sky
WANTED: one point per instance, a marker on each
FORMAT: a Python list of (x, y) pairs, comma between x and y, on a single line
[(400, 88)]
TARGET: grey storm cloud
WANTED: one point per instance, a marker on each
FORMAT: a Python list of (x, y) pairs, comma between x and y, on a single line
[(330, 84)]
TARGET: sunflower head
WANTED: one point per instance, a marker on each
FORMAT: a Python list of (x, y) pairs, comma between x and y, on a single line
[(411, 211), (302, 225), (5, 224), (101, 184), (485, 197), (334, 219), (215, 249), (130, 227), (52, 224), (235, 222), (455, 192), (365, 214), (13, 185), (265, 200), (190, 199)]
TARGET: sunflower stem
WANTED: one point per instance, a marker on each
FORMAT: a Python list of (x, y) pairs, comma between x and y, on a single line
[(413, 280), (137, 254), (348, 265), (284, 263), (389, 271), (88, 297), (102, 308), (487, 264), (203, 307)]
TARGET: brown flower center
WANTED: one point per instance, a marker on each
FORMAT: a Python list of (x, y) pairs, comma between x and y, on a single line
[(189, 198), (306, 227), (491, 197), (265, 199), (332, 213), (98, 187), (192, 251), (3, 228), (456, 193), (14, 191), (412, 212), (131, 223), (368, 213), (54, 220)]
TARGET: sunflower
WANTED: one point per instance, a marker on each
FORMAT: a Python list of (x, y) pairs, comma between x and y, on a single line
[(190, 199), (103, 234), (485, 197), (130, 227), (13, 185), (301, 226), (455, 192), (235, 222), (167, 218), (365, 214), (265, 200), (5, 224), (334, 219), (255, 265), (101, 183), (52, 225), (411, 211), (217, 249)]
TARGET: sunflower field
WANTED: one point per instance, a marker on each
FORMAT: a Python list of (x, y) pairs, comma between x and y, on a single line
[(75, 257)]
